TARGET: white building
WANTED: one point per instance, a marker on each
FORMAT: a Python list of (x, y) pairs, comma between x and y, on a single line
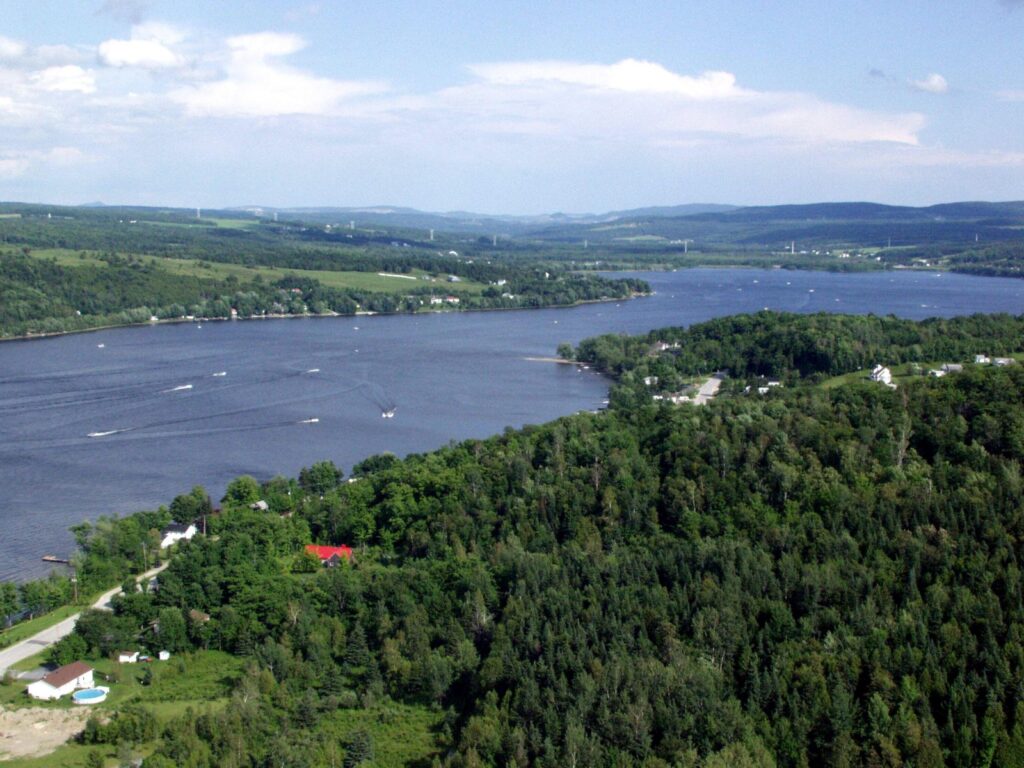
[(175, 532), (128, 657), (882, 374), (62, 681), (982, 359), (650, 381), (1003, 361)]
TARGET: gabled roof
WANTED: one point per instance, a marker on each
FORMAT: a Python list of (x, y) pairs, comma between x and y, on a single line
[(177, 528), (326, 553), (67, 673)]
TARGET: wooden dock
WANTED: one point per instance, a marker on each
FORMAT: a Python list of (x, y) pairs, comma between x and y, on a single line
[(55, 559)]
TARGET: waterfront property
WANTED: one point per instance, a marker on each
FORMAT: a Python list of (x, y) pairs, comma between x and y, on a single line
[(62, 681), (175, 532)]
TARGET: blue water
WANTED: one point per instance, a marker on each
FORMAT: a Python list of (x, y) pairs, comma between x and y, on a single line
[(449, 377)]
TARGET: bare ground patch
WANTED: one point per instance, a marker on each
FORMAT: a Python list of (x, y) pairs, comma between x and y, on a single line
[(35, 731)]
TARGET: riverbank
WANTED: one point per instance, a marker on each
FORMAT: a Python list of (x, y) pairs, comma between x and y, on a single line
[(310, 315)]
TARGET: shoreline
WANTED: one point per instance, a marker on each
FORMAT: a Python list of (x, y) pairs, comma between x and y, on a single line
[(306, 315)]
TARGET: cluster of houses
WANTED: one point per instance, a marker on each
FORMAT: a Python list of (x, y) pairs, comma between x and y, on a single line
[(78, 676), (883, 375)]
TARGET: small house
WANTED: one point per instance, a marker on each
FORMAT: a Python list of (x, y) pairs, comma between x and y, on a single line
[(330, 556), (164, 655), (62, 681), (650, 381), (1003, 361), (982, 359), (259, 506), (936, 373), (881, 374), (127, 657), (435, 300), (952, 367), (452, 299), (175, 532)]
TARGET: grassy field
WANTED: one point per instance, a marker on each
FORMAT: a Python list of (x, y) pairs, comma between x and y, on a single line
[(402, 734), (20, 631), (362, 281)]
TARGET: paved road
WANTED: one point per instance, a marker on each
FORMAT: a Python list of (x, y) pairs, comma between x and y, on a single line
[(47, 637), (708, 390)]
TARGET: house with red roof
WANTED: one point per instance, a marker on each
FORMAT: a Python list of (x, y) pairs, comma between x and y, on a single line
[(330, 556)]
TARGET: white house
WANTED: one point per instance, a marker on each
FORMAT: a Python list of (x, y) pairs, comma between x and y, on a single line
[(62, 681), (650, 381), (952, 367), (937, 373), (982, 359), (882, 374), (127, 657), (1003, 361), (175, 532)]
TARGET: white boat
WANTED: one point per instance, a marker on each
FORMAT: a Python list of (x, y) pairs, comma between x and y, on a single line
[(314, 420), (100, 346), (221, 373), (313, 370), (388, 414), (103, 434), (180, 388)]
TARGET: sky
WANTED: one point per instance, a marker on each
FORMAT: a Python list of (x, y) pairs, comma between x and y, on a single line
[(516, 107)]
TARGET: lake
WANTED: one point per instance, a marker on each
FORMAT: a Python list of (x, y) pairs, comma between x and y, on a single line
[(165, 419)]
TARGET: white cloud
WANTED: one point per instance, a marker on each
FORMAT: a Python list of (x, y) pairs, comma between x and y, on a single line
[(11, 49), (1010, 95), (148, 48), (933, 83), (146, 54), (69, 78), (256, 85), (14, 163), (629, 75), (635, 103)]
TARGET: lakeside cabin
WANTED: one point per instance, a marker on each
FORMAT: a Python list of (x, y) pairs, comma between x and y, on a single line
[(175, 532), (127, 657), (330, 556), (62, 681)]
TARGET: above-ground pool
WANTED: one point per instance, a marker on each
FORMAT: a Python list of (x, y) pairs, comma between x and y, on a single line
[(90, 695)]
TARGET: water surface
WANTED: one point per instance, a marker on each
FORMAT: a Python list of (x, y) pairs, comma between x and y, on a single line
[(173, 423)]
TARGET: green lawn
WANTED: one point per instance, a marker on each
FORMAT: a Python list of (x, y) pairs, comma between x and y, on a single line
[(363, 281), (20, 631), (402, 734)]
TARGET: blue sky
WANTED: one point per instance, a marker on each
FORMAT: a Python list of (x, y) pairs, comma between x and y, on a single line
[(517, 107)]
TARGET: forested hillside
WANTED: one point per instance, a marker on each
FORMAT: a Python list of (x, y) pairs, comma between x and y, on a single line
[(821, 577)]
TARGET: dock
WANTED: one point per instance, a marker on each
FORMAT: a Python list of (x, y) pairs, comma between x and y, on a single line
[(55, 559)]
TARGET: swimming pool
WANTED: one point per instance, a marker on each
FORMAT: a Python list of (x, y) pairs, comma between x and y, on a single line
[(90, 695)]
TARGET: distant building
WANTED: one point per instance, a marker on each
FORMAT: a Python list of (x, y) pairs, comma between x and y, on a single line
[(982, 359), (175, 532), (62, 681), (436, 300), (330, 556), (881, 374), (1003, 361), (127, 657), (260, 506), (452, 299), (650, 381), (936, 373), (952, 367)]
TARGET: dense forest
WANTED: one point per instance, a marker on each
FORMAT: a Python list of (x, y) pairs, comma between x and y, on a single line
[(824, 576)]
